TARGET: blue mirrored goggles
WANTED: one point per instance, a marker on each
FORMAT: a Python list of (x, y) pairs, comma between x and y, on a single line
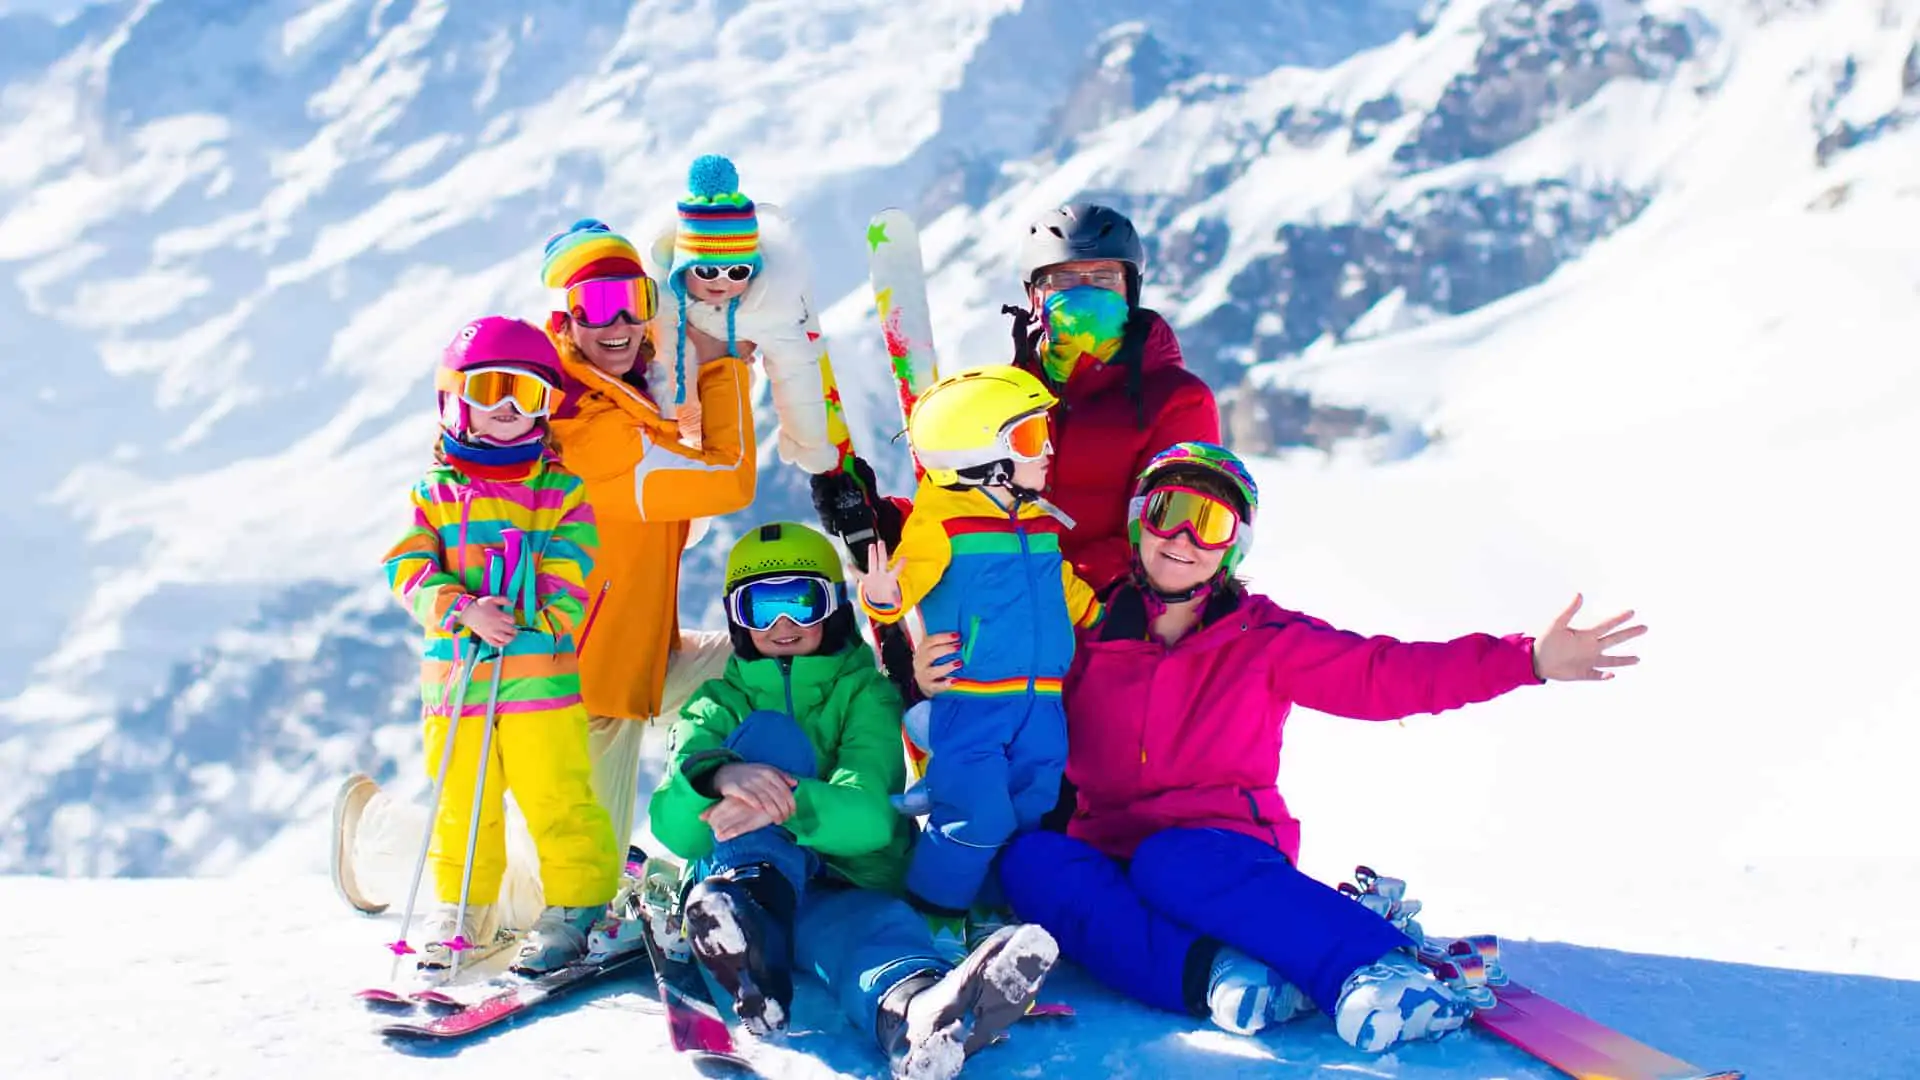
[(805, 599)]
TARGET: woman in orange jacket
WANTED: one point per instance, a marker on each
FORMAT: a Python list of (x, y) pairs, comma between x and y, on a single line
[(648, 478)]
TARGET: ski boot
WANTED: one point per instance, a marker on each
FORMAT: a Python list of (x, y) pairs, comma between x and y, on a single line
[(1245, 996), (930, 1024), (1397, 1000), (740, 924)]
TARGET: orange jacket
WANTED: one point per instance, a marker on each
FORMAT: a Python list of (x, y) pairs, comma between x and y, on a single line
[(645, 489)]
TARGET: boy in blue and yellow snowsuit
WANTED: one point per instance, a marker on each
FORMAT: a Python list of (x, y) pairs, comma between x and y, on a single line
[(980, 556)]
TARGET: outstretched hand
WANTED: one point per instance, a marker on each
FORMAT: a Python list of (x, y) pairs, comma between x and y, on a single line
[(1563, 654), (881, 583)]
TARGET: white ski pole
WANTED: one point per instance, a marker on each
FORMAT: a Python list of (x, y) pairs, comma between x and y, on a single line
[(460, 944), (454, 706)]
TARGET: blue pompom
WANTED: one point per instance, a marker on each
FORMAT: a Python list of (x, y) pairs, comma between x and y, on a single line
[(585, 224), (711, 175)]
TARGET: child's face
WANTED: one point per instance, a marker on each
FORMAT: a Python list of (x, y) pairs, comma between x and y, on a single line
[(716, 291), (613, 349), (787, 638), (1032, 475), (502, 424), (1176, 565)]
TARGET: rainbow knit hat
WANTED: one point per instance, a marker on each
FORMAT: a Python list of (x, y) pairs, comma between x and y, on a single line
[(588, 250), (718, 226)]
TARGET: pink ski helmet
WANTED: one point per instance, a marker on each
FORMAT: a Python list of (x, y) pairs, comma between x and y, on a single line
[(493, 342)]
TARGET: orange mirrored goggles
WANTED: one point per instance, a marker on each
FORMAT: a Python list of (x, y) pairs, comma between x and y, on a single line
[(489, 388), (1029, 438), (1171, 510)]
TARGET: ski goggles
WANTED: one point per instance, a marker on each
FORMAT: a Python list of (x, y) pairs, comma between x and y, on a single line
[(1169, 511), (806, 599), (488, 389), (600, 302), (736, 272), (1029, 437), (1062, 280)]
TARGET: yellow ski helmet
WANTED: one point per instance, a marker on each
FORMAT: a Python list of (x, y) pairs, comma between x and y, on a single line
[(967, 421)]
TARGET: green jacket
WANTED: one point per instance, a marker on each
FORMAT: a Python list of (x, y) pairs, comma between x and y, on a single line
[(851, 714)]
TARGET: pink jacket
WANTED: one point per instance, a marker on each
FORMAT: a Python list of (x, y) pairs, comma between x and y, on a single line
[(1189, 736)]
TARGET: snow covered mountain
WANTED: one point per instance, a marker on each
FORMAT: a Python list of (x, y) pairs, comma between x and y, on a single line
[(1522, 297)]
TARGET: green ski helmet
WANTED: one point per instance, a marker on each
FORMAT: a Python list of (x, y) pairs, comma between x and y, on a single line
[(782, 547), (785, 549)]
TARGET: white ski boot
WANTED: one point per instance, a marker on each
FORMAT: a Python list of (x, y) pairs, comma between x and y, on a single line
[(1245, 996), (557, 939), (1396, 1000), (475, 938)]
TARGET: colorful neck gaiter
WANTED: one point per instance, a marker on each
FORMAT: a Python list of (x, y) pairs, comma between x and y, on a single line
[(1085, 326), (486, 461)]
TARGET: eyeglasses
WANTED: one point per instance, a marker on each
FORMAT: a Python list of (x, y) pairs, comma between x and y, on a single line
[(806, 599), (1062, 280), (736, 272), (1028, 437), (1169, 511), (601, 302), (488, 389)]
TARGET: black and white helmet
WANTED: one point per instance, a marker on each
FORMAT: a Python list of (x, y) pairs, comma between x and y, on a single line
[(1082, 231)]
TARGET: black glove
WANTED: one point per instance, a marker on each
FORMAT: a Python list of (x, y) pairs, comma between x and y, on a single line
[(850, 507)]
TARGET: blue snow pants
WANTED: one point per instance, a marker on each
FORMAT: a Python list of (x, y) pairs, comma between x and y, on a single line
[(861, 943), (994, 773), (1136, 925), (768, 738)]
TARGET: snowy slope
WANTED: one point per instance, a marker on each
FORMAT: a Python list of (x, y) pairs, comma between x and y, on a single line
[(264, 990), (1647, 336)]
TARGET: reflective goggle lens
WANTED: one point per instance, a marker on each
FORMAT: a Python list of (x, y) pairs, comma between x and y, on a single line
[(1028, 438), (1169, 510), (806, 600), (491, 388), (601, 301)]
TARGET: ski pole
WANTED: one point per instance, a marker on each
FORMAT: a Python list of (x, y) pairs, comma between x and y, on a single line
[(453, 707), (460, 944)]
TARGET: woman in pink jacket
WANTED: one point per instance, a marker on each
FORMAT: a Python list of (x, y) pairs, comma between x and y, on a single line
[(1174, 882)]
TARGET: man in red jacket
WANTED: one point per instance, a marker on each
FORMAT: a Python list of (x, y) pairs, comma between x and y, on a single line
[(1125, 395)]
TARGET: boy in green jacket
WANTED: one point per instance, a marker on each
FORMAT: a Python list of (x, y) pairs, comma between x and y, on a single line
[(776, 793)]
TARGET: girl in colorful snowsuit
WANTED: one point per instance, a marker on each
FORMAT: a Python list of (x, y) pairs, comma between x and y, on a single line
[(648, 478), (980, 556), (776, 793), (1124, 392), (740, 288), (495, 561), (1175, 882)]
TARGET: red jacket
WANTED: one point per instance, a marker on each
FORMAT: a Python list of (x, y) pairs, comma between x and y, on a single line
[(1103, 437), (1189, 735)]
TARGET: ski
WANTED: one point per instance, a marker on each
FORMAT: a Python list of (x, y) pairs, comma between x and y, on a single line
[(515, 999), (899, 280), (900, 298), (1571, 1042), (694, 1022)]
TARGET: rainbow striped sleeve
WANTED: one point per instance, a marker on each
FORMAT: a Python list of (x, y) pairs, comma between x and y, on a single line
[(417, 574), (568, 558)]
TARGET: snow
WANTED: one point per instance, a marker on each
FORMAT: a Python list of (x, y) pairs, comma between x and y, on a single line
[(1708, 417), (247, 977)]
